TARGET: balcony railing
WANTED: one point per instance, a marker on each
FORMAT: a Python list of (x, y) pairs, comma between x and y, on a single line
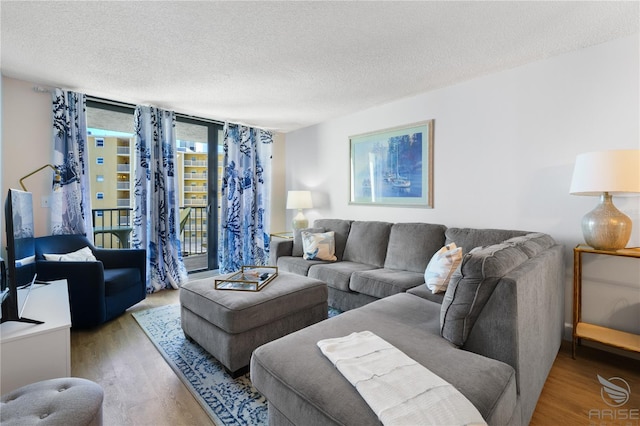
[(193, 176), (124, 150), (195, 163), (113, 227), (124, 167), (195, 188)]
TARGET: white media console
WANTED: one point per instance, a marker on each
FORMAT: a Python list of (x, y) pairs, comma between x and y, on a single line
[(34, 352)]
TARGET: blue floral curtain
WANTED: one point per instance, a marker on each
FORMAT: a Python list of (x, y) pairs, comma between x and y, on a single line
[(70, 205), (155, 215), (245, 198)]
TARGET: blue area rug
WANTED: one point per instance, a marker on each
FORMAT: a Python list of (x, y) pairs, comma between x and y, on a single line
[(226, 400)]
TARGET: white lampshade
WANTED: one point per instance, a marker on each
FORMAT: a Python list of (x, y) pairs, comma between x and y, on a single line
[(605, 173), (299, 200), (616, 172)]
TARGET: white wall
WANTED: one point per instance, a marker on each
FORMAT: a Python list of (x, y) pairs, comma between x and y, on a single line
[(505, 145), (26, 145)]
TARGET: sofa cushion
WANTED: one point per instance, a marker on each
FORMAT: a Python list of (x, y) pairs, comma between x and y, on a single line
[(470, 238), (297, 249), (441, 267), (296, 265), (472, 285), (318, 246), (425, 293), (340, 227), (384, 282), (411, 245), (367, 243), (337, 275), (119, 279)]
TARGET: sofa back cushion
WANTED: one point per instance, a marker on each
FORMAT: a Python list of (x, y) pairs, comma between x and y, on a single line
[(532, 244), (470, 238), (341, 229), (367, 243), (472, 285), (411, 245)]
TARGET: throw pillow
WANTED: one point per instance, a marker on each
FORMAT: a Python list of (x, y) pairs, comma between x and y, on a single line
[(441, 266), (83, 255), (297, 240), (321, 246)]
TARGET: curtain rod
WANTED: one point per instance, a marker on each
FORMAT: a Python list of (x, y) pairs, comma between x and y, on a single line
[(132, 106), (120, 104)]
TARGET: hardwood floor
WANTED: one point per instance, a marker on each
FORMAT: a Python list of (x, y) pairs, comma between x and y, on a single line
[(141, 389)]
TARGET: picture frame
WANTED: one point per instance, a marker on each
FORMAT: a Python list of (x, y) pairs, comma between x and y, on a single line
[(393, 167)]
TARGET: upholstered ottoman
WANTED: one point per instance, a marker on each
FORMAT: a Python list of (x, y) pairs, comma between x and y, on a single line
[(231, 324), (64, 401)]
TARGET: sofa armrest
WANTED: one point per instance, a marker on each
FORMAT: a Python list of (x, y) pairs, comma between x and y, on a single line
[(278, 249), (122, 258), (85, 282)]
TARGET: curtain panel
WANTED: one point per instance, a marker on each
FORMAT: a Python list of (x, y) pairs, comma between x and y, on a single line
[(155, 213), (245, 198), (70, 205)]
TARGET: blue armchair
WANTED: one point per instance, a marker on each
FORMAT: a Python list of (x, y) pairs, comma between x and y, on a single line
[(98, 290)]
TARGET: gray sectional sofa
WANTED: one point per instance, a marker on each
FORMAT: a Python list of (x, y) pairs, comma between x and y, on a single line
[(494, 334)]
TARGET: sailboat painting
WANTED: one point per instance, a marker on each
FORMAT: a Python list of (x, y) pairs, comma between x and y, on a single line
[(393, 167)]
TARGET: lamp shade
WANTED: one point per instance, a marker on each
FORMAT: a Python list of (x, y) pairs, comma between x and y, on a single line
[(616, 172), (299, 200)]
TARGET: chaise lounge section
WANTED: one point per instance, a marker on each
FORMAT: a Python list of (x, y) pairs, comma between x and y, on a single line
[(493, 335)]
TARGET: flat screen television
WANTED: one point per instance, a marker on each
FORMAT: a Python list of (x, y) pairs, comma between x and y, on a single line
[(21, 254)]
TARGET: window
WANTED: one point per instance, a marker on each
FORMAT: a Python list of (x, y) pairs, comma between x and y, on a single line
[(99, 160), (99, 195), (99, 178), (99, 142)]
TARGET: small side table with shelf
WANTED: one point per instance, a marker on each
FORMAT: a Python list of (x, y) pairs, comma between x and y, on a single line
[(596, 333)]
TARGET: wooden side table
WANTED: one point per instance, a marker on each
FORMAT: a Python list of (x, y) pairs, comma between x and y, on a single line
[(596, 333)]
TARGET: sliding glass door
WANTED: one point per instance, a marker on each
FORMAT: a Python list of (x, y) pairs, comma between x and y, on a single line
[(111, 142)]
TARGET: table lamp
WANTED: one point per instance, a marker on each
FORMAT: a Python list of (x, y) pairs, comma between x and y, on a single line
[(299, 200), (603, 174)]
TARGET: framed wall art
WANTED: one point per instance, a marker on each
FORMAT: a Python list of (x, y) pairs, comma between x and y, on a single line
[(393, 167)]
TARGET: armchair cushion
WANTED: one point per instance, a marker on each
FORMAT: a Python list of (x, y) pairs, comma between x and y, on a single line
[(119, 279)]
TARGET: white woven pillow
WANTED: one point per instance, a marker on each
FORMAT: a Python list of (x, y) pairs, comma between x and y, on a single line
[(319, 246), (441, 267), (83, 255)]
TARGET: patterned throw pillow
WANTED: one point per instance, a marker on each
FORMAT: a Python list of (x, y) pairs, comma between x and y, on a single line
[(321, 246), (441, 267), (83, 255)]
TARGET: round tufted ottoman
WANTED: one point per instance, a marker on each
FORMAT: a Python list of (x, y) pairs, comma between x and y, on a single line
[(64, 401)]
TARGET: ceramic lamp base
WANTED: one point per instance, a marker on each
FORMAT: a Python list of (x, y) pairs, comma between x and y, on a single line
[(299, 221), (606, 227)]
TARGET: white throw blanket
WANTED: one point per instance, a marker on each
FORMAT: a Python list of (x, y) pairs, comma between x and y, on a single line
[(398, 389)]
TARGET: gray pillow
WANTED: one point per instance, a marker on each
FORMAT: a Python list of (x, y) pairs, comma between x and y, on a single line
[(471, 286), (297, 240)]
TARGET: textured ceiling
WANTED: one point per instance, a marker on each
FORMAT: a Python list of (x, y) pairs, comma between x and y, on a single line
[(287, 65)]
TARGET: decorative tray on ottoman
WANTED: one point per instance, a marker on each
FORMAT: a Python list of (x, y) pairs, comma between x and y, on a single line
[(249, 278)]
